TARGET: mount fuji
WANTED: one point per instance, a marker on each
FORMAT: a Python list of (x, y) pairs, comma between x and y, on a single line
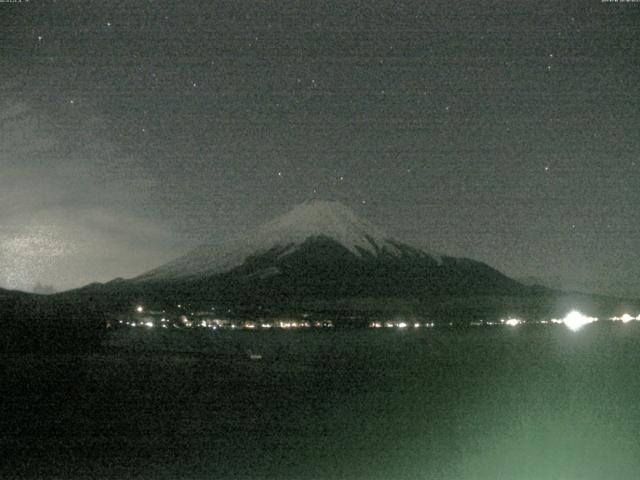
[(318, 253), (316, 222)]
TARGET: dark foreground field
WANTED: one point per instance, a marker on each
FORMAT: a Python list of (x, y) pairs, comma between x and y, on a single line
[(504, 403)]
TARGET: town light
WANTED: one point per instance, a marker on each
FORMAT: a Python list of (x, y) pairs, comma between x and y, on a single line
[(576, 320), (512, 322), (626, 318)]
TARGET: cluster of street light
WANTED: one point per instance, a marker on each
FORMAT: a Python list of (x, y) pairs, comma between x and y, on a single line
[(574, 320), (401, 324), (152, 319)]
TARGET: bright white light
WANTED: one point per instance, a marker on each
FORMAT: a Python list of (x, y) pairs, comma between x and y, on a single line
[(416, 325), (512, 322), (139, 309), (576, 320), (402, 325), (149, 324), (626, 318)]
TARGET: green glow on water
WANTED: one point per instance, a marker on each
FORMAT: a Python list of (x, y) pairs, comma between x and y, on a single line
[(526, 403)]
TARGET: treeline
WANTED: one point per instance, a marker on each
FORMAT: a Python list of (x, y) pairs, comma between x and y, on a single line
[(39, 324)]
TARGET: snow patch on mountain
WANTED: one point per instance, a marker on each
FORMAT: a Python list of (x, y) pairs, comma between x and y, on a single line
[(323, 218)]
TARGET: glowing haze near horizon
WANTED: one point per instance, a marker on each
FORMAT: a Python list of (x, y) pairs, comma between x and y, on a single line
[(131, 132)]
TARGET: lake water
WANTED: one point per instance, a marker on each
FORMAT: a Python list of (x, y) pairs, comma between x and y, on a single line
[(525, 403)]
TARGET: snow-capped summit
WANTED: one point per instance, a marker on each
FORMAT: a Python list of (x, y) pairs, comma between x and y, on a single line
[(324, 218), (313, 219)]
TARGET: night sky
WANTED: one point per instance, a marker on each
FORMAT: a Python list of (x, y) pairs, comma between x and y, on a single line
[(132, 131)]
